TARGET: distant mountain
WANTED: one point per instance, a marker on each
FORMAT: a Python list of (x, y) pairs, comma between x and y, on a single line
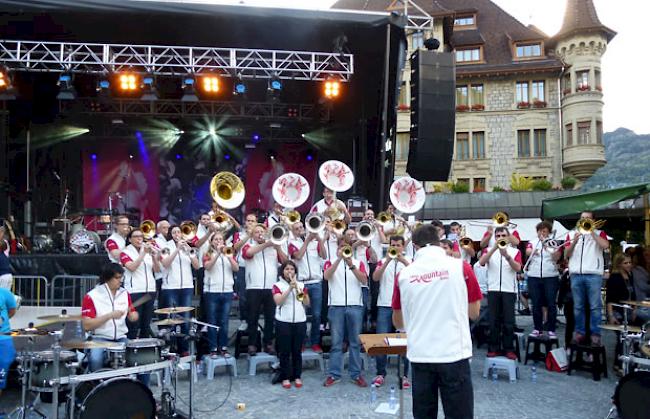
[(628, 161)]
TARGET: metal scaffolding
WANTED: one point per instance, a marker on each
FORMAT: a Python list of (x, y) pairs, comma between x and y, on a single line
[(45, 56)]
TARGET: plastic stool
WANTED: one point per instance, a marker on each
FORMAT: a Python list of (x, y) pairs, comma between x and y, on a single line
[(599, 364), (260, 358), (537, 354), (211, 363), (501, 363), (310, 355)]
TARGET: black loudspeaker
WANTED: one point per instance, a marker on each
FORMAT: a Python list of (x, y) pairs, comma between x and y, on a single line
[(433, 88)]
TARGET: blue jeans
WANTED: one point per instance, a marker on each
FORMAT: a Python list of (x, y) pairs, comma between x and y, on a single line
[(365, 294), (217, 311), (179, 298), (315, 292), (385, 325), (342, 319), (586, 290), (543, 293), (240, 289), (97, 359)]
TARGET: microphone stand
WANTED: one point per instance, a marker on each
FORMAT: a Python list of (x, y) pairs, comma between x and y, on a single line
[(192, 338)]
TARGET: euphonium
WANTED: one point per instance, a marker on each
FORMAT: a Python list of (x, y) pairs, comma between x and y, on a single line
[(502, 243), (587, 225), (392, 252), (365, 231), (315, 223), (383, 218), (339, 226), (188, 230), (291, 217), (346, 251), (148, 229)]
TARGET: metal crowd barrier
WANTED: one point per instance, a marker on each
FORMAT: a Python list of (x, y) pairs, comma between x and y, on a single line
[(33, 289), (69, 290)]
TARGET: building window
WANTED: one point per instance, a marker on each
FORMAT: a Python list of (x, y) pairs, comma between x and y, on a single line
[(584, 132), (569, 134), (537, 93), (402, 147), (599, 132), (417, 40), (479, 184), (478, 103), (529, 50), (478, 145), (539, 148), (582, 80), (464, 180), (599, 86), (468, 20), (462, 146), (522, 93), (523, 143), (566, 84), (462, 98), (468, 55)]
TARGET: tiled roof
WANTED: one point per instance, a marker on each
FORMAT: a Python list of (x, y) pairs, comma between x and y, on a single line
[(495, 29), (581, 16)]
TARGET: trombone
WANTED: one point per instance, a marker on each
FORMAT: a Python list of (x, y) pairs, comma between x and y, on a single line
[(365, 231), (499, 219), (278, 234), (502, 243), (587, 225), (188, 230), (315, 223)]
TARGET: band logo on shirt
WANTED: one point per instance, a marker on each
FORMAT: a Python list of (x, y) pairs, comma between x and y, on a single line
[(429, 276)]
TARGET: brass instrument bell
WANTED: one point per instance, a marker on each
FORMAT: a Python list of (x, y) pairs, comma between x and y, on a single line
[(291, 217), (502, 243), (384, 218), (278, 234), (148, 229), (315, 223), (365, 231), (339, 226), (587, 225), (188, 230), (346, 251), (392, 252), (227, 190), (228, 251)]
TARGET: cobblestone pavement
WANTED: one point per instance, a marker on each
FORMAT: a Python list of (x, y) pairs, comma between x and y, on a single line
[(554, 395)]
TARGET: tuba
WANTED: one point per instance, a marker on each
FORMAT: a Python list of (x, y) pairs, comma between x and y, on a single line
[(315, 223), (148, 229), (336, 176), (188, 230), (227, 190), (587, 225), (365, 231)]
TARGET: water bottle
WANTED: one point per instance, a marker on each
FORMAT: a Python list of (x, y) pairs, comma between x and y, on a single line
[(392, 399), (373, 394), (533, 373), (495, 376)]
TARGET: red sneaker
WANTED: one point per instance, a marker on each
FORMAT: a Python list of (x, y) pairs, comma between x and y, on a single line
[(286, 384), (360, 381), (316, 348), (378, 381), (511, 355), (330, 381), (298, 383), (492, 354), (406, 384)]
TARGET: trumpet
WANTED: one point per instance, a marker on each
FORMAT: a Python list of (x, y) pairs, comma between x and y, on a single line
[(392, 252), (384, 218), (346, 251), (587, 225), (228, 251), (291, 217), (502, 243), (188, 230), (366, 231), (148, 229), (315, 223), (338, 226), (278, 234)]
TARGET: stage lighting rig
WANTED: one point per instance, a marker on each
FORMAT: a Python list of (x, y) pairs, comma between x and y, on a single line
[(128, 82), (210, 84), (275, 84), (66, 89), (331, 88), (239, 87), (150, 93), (189, 93)]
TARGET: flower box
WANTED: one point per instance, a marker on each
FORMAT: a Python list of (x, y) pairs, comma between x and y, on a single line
[(478, 107), (523, 105), (462, 108), (539, 104), (583, 88)]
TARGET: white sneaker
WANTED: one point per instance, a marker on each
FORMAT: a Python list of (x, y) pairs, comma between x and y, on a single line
[(243, 326)]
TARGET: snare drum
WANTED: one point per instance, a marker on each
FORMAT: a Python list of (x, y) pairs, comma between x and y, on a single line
[(116, 355), (143, 351), (43, 369), (118, 397)]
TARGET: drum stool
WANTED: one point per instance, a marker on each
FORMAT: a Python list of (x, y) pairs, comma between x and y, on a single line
[(537, 354), (501, 363), (211, 363), (597, 366)]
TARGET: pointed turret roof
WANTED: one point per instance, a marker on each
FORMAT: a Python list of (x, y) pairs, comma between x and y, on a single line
[(580, 17)]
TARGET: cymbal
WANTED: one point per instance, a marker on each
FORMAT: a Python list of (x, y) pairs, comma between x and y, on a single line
[(27, 332), (173, 310), (86, 344), (637, 303), (168, 322), (60, 318), (619, 328)]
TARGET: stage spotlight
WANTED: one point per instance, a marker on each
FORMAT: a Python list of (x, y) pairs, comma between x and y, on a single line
[(131, 156), (227, 156), (331, 89), (256, 138), (272, 155), (6, 87), (103, 87), (128, 82), (150, 93), (66, 89), (179, 156), (310, 157), (189, 94), (210, 84), (212, 131), (275, 84), (93, 156), (239, 88)]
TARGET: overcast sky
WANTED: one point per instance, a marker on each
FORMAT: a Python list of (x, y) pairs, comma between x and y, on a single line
[(627, 93)]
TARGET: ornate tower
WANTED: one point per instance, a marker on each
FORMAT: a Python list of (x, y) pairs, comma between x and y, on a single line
[(580, 44)]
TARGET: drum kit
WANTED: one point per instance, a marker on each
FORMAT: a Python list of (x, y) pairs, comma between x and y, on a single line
[(632, 395), (49, 367)]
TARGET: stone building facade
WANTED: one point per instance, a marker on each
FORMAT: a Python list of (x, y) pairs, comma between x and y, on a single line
[(526, 103)]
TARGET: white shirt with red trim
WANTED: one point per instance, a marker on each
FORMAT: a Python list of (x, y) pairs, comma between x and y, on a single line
[(179, 273), (203, 249), (236, 238), (493, 241), (114, 242), (310, 266), (587, 256), (344, 289), (100, 301), (142, 279), (220, 277), (362, 253), (161, 242), (272, 220), (331, 248), (261, 268), (500, 275), (291, 310), (541, 263), (387, 281), (433, 294)]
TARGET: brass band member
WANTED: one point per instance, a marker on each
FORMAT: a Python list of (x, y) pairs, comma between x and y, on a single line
[(142, 262), (220, 265), (239, 239), (290, 296), (465, 251), (330, 202), (117, 241), (490, 235)]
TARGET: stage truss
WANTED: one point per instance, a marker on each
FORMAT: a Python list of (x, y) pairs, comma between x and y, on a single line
[(45, 56)]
